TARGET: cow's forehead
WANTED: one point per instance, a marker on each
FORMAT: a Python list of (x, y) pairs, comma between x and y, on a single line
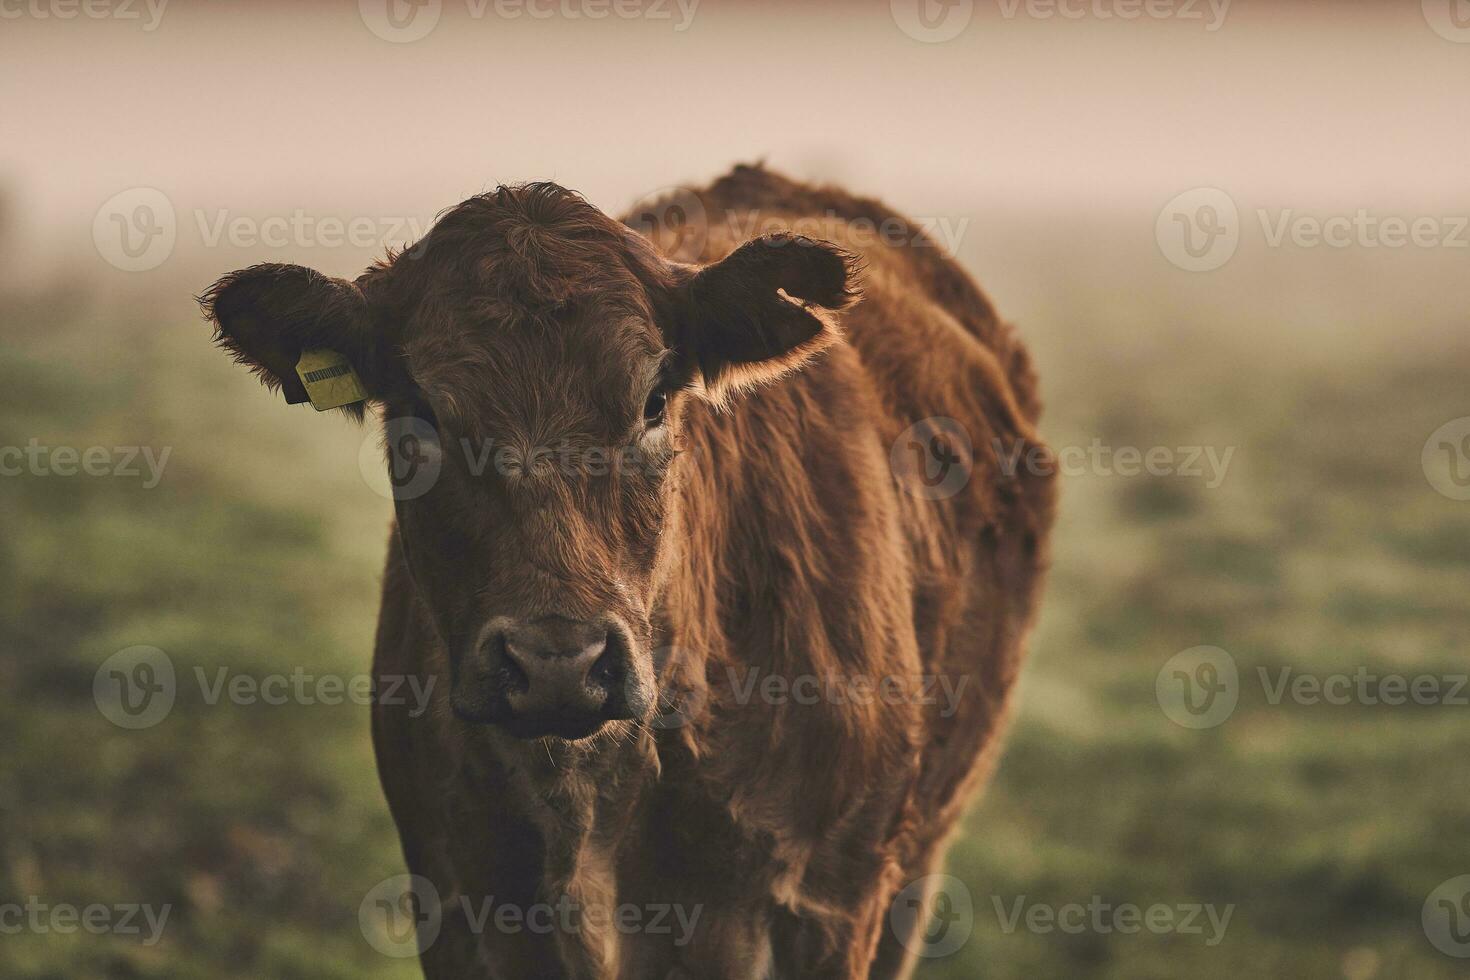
[(581, 370), (530, 248), (529, 305)]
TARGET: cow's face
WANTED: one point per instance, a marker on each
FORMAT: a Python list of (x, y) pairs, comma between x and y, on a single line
[(538, 544), (533, 361)]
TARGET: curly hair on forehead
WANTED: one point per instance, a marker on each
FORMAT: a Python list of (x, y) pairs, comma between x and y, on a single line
[(536, 245)]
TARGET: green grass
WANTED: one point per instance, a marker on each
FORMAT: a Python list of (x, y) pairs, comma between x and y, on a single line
[(1324, 549)]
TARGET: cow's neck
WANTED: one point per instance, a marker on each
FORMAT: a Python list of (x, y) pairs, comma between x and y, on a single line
[(579, 797)]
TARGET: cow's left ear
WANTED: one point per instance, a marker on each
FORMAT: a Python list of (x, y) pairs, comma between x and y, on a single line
[(763, 311), (269, 315)]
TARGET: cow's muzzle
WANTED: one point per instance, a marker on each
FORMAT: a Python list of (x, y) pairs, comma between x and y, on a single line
[(549, 677)]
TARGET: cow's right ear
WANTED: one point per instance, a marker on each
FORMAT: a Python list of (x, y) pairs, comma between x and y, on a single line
[(764, 310), (267, 315)]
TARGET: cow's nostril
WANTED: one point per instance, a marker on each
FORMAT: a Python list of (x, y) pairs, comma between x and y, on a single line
[(513, 676), (607, 671)]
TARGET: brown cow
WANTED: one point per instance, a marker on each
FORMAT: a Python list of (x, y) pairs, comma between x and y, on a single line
[(692, 590)]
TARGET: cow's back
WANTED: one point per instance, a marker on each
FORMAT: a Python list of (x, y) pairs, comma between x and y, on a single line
[(748, 196)]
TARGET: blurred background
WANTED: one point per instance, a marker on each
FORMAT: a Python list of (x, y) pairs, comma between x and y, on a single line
[(1232, 231)]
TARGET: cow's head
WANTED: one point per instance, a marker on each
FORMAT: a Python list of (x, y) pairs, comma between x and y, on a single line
[(533, 360)]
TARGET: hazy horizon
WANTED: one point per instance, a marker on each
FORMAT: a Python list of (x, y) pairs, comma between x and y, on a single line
[(266, 109)]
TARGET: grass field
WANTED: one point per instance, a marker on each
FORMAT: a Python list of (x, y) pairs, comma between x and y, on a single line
[(1323, 828)]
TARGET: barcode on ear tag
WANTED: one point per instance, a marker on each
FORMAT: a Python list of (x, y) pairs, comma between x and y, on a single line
[(329, 379)]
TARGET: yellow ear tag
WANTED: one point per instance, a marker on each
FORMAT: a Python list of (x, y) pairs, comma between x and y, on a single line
[(329, 379)]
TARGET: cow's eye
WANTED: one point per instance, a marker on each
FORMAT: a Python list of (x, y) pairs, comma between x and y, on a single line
[(653, 409)]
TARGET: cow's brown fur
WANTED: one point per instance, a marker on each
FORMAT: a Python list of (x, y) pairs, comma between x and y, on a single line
[(771, 535)]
